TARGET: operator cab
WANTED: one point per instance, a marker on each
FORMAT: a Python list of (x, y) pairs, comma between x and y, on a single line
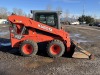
[(50, 18)]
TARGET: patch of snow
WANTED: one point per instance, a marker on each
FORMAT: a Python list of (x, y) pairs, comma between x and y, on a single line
[(3, 26), (83, 41), (75, 35), (5, 44), (4, 33)]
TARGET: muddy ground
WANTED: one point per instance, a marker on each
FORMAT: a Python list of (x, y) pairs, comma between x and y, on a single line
[(12, 63)]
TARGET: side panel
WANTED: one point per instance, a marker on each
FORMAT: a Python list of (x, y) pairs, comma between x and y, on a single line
[(42, 27), (37, 38)]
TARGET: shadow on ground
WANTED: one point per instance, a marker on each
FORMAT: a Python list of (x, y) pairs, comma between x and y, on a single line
[(5, 46)]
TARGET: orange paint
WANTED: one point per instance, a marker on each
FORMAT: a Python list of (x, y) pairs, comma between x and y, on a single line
[(49, 33)]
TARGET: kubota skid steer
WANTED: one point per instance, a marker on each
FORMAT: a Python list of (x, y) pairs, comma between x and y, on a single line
[(45, 26)]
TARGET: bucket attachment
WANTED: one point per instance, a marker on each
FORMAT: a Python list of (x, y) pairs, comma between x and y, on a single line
[(79, 52)]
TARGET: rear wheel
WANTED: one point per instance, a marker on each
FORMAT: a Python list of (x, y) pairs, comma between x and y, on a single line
[(55, 48), (28, 48)]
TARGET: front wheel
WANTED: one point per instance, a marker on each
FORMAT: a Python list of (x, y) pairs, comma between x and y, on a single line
[(55, 48), (28, 48)]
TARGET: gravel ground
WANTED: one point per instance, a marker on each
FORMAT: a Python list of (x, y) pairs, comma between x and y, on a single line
[(11, 63)]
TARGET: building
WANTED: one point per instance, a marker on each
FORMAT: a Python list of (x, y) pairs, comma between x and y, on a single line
[(3, 21), (70, 21)]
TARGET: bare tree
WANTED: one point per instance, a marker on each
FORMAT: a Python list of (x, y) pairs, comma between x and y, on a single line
[(95, 17), (3, 12), (9, 13), (15, 10), (25, 14), (49, 7), (72, 18), (29, 15), (67, 15), (19, 12), (59, 8)]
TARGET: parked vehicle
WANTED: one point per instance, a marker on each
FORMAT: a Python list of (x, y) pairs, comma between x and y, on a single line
[(95, 24), (75, 23), (26, 34), (91, 24), (99, 25), (3, 21)]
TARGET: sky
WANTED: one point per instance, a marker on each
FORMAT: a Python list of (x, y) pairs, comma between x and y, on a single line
[(74, 7)]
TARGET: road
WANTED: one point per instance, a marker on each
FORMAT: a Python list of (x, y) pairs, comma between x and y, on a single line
[(11, 63)]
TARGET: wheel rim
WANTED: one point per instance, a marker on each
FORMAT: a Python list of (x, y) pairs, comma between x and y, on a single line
[(55, 49), (27, 49)]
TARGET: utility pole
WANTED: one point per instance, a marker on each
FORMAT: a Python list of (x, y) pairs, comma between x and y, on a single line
[(83, 11), (95, 17), (84, 8)]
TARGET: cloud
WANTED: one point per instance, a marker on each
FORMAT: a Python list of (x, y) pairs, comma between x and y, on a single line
[(69, 1)]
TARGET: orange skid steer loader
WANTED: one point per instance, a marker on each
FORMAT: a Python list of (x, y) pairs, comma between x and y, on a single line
[(45, 26)]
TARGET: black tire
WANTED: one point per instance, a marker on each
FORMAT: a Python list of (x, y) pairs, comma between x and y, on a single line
[(51, 47), (30, 47)]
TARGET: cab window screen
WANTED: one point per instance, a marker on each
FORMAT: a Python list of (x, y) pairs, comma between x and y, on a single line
[(42, 19), (49, 19)]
